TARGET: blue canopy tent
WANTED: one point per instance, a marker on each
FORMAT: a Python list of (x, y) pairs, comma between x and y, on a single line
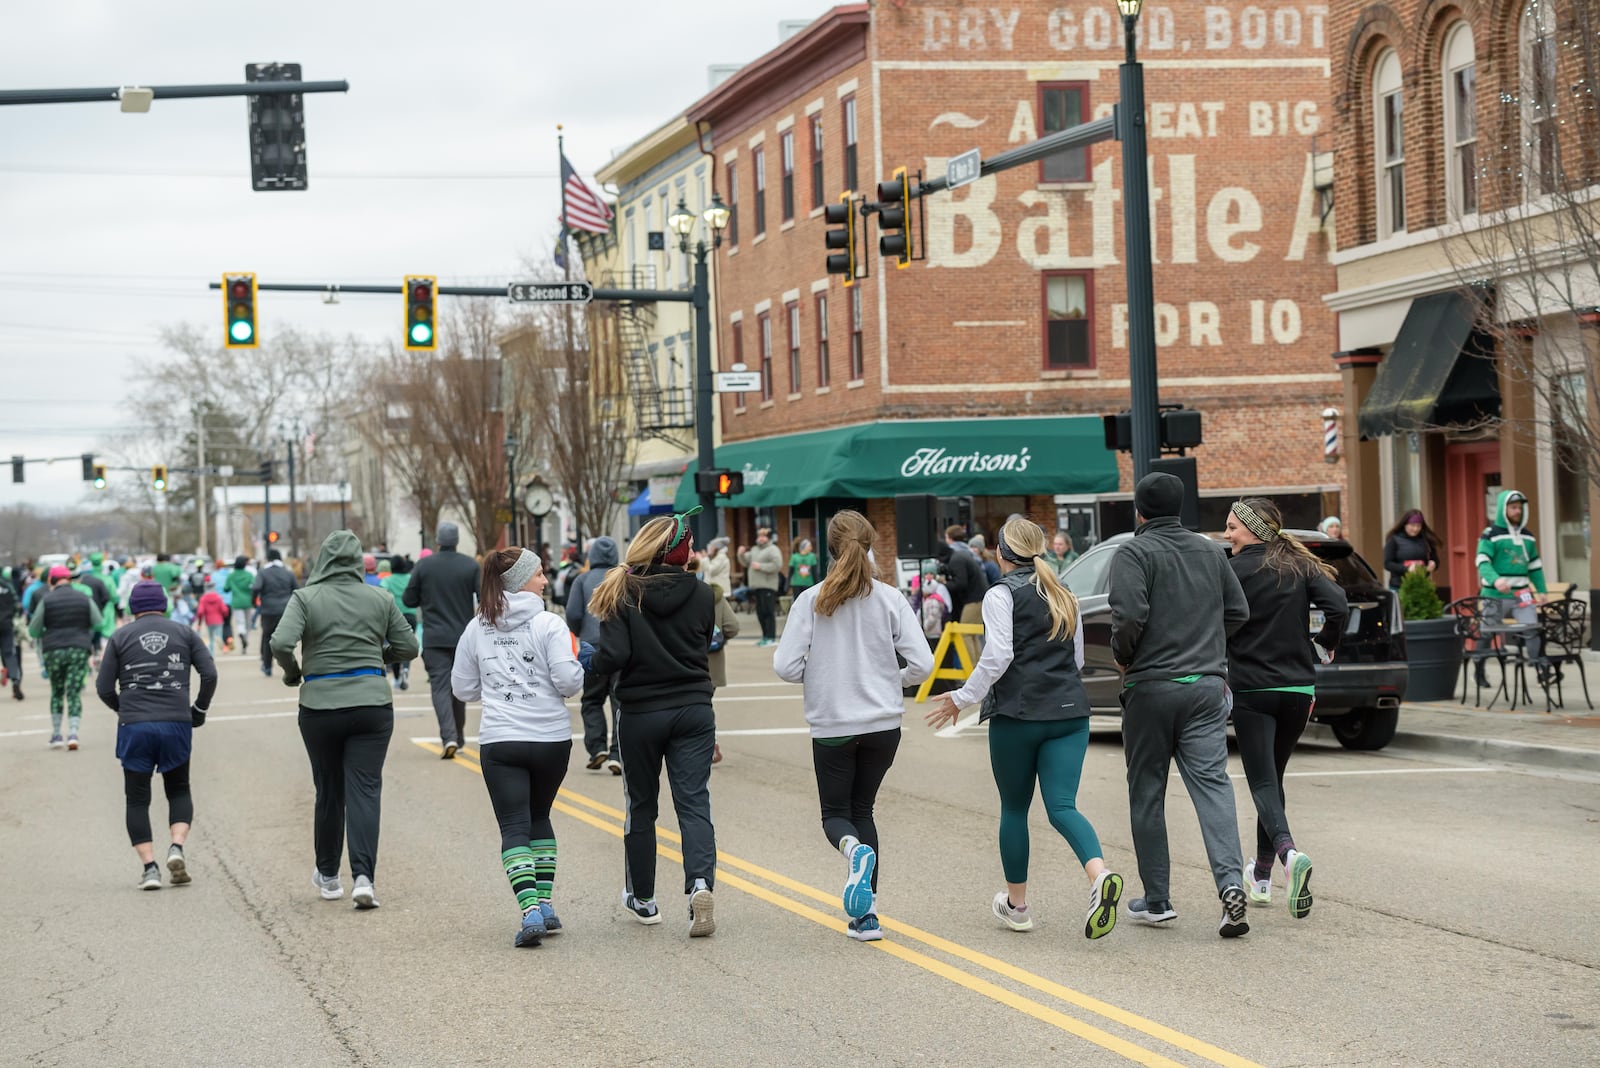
[(641, 506)]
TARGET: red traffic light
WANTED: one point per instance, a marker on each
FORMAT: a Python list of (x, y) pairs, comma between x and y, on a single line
[(272, 537), (241, 290), (420, 293)]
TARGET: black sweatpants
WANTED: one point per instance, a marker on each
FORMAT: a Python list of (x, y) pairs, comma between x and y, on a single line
[(683, 739), (596, 689), (848, 777), (1267, 724), (767, 612), (523, 778), (347, 747), (268, 625), (8, 651), (180, 802)]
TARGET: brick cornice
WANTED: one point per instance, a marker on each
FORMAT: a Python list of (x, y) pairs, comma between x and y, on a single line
[(1368, 357)]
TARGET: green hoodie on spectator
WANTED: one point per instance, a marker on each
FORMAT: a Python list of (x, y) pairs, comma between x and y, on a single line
[(1509, 552), (341, 625)]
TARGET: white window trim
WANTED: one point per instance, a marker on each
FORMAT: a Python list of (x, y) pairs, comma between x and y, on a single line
[(785, 123), (758, 139), (1532, 186), (1382, 89), (763, 307), (1453, 64), (814, 107), (846, 88)]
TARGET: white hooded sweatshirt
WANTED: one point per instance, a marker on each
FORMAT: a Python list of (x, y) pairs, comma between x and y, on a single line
[(523, 668)]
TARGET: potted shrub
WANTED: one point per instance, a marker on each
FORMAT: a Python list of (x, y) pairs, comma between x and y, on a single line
[(1433, 648)]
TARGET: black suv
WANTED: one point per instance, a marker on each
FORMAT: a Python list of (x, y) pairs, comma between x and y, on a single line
[(1358, 695)]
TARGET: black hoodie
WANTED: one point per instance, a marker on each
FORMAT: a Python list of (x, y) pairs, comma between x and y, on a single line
[(660, 646), (1273, 648)]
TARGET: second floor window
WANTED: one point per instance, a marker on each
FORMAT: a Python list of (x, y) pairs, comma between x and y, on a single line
[(1068, 328), (738, 359), (850, 174), (1062, 107), (824, 372), (793, 315), (1460, 122), (759, 161), (818, 194), (733, 204), (765, 323), (1537, 38), (858, 356), (786, 193), (1389, 137)]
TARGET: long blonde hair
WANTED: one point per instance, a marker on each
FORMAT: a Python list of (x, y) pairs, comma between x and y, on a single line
[(850, 538), (626, 583), (1025, 539)]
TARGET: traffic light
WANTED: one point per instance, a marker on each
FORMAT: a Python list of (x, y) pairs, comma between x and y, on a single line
[(421, 291), (16, 468), (99, 476), (158, 478), (272, 537), (88, 467), (265, 472), (841, 215), (719, 483), (277, 131), (894, 218), (239, 309)]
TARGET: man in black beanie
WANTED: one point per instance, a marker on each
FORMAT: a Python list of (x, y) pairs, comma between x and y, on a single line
[(444, 586), (1174, 697)]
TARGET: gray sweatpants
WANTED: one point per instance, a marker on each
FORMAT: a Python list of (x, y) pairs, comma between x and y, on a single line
[(1187, 721), (452, 714)]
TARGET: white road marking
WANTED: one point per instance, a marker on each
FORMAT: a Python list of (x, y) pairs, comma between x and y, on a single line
[(19, 734), (1390, 771), (959, 727)]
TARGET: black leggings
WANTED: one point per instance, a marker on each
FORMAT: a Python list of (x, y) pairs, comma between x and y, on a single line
[(1267, 724), (347, 747), (767, 612), (848, 777), (523, 778), (180, 803)]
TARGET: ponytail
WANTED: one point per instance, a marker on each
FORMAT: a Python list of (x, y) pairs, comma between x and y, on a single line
[(1024, 539), (491, 586), (624, 584), (850, 538), (1287, 556)]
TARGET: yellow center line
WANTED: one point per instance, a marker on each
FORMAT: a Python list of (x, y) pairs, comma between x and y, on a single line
[(1040, 1012)]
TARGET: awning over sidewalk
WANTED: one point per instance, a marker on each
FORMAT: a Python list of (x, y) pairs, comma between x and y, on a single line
[(641, 505), (948, 457), (1440, 372)]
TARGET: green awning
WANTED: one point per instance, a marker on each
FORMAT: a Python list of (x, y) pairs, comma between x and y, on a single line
[(948, 457)]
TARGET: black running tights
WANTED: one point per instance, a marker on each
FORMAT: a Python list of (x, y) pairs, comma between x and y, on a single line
[(180, 803), (523, 778), (1267, 724)]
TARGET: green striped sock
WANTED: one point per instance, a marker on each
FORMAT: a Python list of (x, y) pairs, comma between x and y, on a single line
[(521, 869), (544, 861)]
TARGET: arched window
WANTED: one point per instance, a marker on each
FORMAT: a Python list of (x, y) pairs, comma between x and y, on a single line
[(1537, 39), (1460, 122), (1388, 140)]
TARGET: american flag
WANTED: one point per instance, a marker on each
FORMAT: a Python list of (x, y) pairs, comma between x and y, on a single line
[(585, 210)]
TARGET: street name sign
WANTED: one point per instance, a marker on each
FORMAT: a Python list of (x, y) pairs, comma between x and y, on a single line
[(550, 292), (963, 169), (738, 381)]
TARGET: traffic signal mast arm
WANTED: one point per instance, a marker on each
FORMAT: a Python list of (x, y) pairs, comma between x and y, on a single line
[(167, 92), (678, 296), (1080, 136)]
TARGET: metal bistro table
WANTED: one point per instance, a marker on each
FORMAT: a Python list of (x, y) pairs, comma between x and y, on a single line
[(1503, 634)]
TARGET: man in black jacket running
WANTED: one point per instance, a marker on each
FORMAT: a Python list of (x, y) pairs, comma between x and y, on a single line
[(273, 587), (444, 586)]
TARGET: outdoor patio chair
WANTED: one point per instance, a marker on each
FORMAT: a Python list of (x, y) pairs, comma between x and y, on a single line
[(1564, 626), (1477, 650)]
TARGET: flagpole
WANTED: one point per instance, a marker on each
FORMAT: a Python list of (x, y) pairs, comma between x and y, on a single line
[(566, 248)]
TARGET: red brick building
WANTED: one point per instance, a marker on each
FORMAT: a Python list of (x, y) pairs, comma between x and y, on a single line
[(1015, 308)]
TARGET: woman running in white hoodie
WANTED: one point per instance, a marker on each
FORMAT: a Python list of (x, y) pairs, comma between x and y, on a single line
[(852, 626), (523, 663)]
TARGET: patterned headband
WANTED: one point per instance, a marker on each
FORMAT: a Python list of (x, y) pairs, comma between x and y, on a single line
[(1007, 552), (1253, 522), (517, 575)]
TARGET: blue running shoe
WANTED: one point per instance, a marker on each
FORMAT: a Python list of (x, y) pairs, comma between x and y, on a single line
[(865, 929), (552, 922), (858, 884), (533, 930)]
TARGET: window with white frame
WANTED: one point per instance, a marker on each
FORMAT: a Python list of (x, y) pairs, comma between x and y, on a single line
[(1537, 39), (857, 340), (1389, 142), (792, 313), (764, 323), (1460, 121)]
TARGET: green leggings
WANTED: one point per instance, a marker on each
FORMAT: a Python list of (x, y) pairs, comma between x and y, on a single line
[(1051, 752), (67, 668)]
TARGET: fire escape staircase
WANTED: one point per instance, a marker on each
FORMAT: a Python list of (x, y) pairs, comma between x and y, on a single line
[(658, 410)]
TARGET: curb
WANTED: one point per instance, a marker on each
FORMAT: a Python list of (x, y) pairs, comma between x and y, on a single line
[(1556, 757)]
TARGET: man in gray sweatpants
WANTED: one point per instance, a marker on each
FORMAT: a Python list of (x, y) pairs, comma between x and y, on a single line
[(1174, 700)]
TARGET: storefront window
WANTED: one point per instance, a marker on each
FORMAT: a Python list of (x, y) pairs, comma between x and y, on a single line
[(1571, 548), (1407, 473)]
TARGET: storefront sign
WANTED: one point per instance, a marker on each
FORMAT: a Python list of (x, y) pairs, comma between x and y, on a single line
[(926, 462)]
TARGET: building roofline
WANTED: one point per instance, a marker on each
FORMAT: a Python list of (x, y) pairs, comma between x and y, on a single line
[(769, 68), (647, 151)]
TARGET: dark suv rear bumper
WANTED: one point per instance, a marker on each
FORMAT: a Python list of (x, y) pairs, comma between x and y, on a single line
[(1342, 687)]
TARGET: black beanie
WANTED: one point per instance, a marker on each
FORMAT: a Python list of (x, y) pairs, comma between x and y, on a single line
[(1158, 494)]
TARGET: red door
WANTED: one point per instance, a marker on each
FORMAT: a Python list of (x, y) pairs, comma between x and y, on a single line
[(1472, 481)]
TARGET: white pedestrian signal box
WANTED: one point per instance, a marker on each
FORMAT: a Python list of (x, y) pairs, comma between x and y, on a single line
[(738, 381), (550, 292)]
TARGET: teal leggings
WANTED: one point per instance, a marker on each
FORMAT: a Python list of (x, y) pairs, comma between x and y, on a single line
[(1051, 752)]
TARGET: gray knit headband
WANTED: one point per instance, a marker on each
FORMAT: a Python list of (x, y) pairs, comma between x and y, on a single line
[(1008, 553), (1253, 522), (517, 575)]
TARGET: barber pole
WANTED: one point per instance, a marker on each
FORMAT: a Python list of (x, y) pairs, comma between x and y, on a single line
[(1330, 435)]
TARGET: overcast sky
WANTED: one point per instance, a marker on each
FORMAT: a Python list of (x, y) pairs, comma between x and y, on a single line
[(111, 225)]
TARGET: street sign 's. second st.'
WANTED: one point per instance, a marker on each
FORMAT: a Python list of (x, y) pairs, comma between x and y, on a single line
[(550, 292)]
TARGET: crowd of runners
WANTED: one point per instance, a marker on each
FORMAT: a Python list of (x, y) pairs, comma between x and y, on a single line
[(1200, 637)]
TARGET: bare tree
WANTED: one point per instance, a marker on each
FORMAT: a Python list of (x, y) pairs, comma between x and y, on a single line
[(1532, 257)]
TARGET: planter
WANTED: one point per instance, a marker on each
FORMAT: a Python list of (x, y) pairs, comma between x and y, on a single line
[(1433, 659)]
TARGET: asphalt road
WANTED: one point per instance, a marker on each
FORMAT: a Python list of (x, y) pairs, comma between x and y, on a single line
[(1452, 923)]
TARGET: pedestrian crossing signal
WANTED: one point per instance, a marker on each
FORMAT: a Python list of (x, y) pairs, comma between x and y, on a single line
[(158, 478), (239, 310), (272, 537), (421, 291), (719, 483)]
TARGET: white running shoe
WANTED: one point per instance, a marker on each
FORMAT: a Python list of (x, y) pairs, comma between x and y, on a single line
[(151, 879), (1260, 889), (327, 885), (1014, 918), (702, 919), (177, 867), (645, 911), (364, 896)]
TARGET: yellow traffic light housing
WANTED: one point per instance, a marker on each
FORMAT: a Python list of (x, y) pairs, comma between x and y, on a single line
[(99, 476), (239, 310), (894, 218), (422, 293), (841, 215), (158, 478)]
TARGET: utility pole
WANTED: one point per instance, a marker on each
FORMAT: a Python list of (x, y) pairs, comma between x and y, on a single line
[(294, 541), (1145, 400), (200, 480)]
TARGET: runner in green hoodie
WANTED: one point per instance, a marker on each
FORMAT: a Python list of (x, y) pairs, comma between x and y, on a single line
[(1510, 568)]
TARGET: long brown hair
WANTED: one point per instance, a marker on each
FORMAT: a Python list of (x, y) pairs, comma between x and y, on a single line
[(623, 584), (1287, 555), (850, 538), (492, 587), (1025, 538)]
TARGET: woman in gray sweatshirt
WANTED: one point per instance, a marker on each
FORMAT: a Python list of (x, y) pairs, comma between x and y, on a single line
[(853, 625)]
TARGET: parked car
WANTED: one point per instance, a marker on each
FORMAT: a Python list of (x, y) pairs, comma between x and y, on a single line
[(1358, 695)]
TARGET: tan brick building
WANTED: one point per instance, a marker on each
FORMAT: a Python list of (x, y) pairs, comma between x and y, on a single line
[(1467, 169), (1015, 308)]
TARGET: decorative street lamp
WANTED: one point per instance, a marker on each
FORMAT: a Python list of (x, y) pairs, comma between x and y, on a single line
[(1145, 397), (511, 484), (682, 223)]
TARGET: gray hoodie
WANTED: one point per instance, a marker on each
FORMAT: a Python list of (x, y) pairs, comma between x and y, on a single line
[(602, 558)]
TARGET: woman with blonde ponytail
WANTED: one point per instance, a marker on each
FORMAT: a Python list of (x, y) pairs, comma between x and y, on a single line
[(655, 632), (1038, 713), (853, 625), (1272, 668)]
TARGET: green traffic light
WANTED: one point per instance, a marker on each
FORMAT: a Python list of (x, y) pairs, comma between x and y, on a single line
[(240, 330), (421, 333), (99, 483)]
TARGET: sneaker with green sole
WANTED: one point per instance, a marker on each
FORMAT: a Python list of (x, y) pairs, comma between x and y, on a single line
[(1298, 867)]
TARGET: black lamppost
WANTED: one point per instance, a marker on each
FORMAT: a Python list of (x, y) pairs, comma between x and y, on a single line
[(1145, 400), (511, 483), (343, 486), (682, 223)]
